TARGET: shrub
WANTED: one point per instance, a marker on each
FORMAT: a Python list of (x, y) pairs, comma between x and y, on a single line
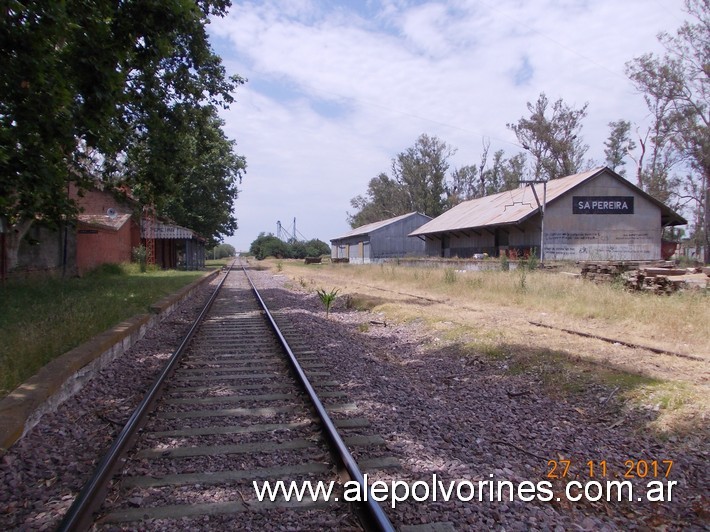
[(140, 255), (504, 263), (267, 245)]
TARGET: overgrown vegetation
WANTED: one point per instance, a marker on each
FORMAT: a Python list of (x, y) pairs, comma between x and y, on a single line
[(140, 256), (684, 315), (42, 319)]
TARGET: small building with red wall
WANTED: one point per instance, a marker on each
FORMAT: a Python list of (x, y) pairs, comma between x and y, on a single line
[(106, 231), (104, 239), (110, 227)]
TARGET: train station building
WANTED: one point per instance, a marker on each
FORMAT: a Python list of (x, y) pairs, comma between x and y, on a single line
[(594, 215)]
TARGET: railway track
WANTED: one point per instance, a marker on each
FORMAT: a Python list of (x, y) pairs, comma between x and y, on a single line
[(234, 407)]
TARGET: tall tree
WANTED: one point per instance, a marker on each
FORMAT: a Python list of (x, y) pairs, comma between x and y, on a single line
[(553, 141), (504, 174), (417, 184), (677, 83), (618, 145), (421, 171), (83, 77), (385, 198), (207, 191), (463, 185), (37, 107)]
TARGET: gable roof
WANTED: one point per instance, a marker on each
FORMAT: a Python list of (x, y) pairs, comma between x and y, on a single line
[(516, 206), (370, 228)]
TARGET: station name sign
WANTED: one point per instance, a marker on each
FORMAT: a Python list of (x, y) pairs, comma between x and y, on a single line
[(602, 204)]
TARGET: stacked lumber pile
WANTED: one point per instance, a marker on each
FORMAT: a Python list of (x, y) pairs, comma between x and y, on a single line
[(657, 277), (656, 280), (604, 272)]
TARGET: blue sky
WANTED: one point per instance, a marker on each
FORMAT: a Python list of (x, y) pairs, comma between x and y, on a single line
[(338, 88)]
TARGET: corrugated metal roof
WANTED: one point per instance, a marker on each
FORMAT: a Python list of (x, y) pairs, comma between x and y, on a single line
[(164, 231), (514, 206), (369, 228)]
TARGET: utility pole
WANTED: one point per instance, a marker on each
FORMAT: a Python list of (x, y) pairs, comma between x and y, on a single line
[(541, 206)]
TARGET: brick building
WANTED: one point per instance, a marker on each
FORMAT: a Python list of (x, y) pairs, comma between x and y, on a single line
[(108, 228)]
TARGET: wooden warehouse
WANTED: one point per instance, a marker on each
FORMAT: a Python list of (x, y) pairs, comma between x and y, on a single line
[(594, 215), (381, 240)]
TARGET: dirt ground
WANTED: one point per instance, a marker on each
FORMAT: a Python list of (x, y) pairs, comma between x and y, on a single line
[(683, 369)]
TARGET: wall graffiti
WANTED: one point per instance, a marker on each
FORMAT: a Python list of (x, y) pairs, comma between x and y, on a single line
[(594, 245)]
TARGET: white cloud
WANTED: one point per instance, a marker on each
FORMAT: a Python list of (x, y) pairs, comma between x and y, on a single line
[(336, 91)]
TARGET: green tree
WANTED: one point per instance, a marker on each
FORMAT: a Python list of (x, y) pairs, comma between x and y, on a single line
[(222, 251), (93, 89), (268, 245), (37, 106), (385, 198), (207, 188), (463, 185), (675, 87), (421, 171), (504, 174), (308, 248), (553, 141), (618, 145), (418, 183)]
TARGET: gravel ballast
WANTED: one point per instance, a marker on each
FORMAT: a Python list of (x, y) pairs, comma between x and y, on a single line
[(463, 417)]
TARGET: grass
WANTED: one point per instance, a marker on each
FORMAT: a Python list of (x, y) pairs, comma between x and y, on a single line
[(42, 319), (685, 316), (218, 263), (468, 310)]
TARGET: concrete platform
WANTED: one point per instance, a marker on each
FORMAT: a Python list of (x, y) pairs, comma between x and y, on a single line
[(65, 375)]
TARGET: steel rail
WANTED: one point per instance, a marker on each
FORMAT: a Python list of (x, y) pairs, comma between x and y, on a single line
[(79, 515), (377, 518)]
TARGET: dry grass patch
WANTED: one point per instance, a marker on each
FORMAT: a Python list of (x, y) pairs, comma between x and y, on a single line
[(681, 320), (489, 313), (363, 302)]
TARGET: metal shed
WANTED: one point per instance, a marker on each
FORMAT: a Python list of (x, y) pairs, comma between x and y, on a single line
[(594, 215), (381, 240)]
